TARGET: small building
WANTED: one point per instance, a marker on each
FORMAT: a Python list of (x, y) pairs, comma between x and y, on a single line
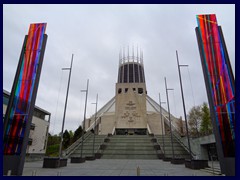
[(37, 143)]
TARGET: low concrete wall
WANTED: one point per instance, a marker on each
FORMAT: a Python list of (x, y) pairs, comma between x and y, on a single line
[(34, 157), (196, 145)]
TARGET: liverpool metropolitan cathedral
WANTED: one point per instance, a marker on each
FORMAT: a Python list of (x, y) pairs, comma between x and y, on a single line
[(131, 110)]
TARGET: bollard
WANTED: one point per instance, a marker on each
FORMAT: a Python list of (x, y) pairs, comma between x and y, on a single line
[(138, 171), (9, 173), (59, 173), (34, 173)]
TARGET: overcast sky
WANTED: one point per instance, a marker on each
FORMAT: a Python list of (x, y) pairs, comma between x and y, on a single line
[(95, 34)]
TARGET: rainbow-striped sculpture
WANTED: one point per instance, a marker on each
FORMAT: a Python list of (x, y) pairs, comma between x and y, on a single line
[(25, 85), (219, 79)]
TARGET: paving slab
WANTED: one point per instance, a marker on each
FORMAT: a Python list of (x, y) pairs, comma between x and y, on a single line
[(113, 167)]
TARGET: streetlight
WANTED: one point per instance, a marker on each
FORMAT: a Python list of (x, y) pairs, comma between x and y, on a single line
[(84, 117), (162, 123), (184, 109), (95, 123), (64, 114), (169, 116)]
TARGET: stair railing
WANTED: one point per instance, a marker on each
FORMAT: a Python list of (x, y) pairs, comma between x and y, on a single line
[(175, 130), (113, 131), (67, 152), (178, 138), (161, 147), (99, 149), (149, 130)]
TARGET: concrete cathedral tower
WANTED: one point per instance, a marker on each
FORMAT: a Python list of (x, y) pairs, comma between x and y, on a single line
[(130, 108)]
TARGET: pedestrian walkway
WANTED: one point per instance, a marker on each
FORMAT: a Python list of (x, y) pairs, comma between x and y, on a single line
[(113, 167)]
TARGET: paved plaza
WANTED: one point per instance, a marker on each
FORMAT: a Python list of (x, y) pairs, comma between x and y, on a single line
[(114, 167)]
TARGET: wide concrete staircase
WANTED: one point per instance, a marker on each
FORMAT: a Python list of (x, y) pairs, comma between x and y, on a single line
[(130, 147), (179, 150), (88, 146)]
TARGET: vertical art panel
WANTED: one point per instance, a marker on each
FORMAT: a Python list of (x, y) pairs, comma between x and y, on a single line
[(18, 115), (219, 79)]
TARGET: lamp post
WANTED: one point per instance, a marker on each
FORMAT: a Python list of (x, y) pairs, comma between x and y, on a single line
[(84, 117), (169, 116), (95, 123), (64, 114), (162, 123), (184, 109)]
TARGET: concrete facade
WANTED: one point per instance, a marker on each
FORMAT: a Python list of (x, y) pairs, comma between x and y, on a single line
[(130, 109)]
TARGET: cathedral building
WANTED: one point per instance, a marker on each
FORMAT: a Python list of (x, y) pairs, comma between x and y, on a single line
[(131, 110)]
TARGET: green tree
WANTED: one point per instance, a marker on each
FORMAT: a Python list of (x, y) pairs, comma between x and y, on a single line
[(206, 124), (194, 120), (66, 139), (77, 133), (71, 134), (53, 139)]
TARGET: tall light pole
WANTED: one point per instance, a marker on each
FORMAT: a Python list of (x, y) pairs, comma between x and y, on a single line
[(84, 117), (64, 114), (162, 123), (95, 123), (169, 116), (184, 109)]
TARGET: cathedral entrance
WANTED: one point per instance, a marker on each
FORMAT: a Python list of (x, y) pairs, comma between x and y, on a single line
[(131, 131)]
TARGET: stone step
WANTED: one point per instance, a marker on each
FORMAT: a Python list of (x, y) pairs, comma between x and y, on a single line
[(130, 136), (79, 155), (86, 149), (131, 156), (88, 146), (215, 171), (177, 156), (130, 140), (130, 148), (129, 144), (91, 143), (84, 152), (122, 152), (176, 153), (178, 148)]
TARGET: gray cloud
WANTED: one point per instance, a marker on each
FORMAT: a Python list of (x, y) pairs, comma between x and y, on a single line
[(95, 34)]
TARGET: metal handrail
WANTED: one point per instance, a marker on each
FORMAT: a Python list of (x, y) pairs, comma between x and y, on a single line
[(101, 150), (113, 130), (176, 132), (75, 145), (161, 149), (178, 138), (149, 129)]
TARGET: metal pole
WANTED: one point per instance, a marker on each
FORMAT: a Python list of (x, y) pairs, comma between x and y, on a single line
[(161, 121), (184, 109), (95, 123), (170, 122), (84, 117), (64, 114)]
